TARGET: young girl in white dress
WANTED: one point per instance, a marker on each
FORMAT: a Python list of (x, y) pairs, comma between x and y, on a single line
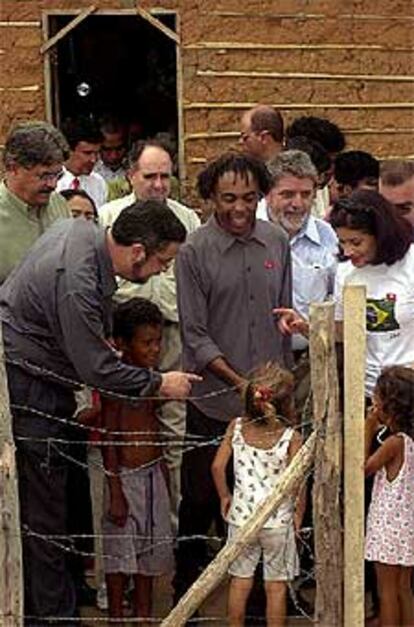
[(390, 526), (262, 444)]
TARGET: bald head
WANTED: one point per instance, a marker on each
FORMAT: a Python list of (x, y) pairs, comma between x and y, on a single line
[(262, 132), (150, 171)]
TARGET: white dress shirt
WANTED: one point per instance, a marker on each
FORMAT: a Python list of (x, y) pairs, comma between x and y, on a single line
[(93, 184)]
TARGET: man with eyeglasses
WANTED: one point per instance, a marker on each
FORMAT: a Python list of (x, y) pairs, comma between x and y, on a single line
[(262, 132), (33, 156), (55, 310)]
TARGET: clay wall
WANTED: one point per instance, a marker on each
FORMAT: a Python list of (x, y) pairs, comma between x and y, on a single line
[(349, 61)]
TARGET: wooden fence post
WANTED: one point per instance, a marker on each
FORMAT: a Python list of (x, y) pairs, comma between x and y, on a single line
[(11, 574), (327, 474), (290, 479), (354, 417)]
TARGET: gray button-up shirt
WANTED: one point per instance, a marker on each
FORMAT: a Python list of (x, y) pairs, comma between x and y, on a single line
[(56, 311), (227, 288)]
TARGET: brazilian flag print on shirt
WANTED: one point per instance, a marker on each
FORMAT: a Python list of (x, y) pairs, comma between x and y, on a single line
[(381, 314)]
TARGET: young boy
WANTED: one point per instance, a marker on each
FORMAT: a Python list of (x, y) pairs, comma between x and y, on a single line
[(136, 524)]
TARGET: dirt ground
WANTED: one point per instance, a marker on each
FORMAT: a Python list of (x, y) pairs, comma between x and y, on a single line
[(214, 608)]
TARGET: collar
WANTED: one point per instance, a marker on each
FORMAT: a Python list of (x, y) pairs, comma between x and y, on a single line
[(309, 230), (225, 240), (109, 285), (20, 205)]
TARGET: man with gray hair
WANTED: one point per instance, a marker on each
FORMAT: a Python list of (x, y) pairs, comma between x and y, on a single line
[(313, 242), (33, 158), (397, 185)]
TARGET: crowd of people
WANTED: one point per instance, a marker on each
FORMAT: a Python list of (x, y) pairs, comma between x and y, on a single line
[(117, 305)]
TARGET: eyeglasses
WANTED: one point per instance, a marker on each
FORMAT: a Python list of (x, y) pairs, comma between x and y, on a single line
[(48, 177), (164, 263)]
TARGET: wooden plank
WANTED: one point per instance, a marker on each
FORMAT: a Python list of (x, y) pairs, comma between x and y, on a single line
[(234, 45), (146, 15), (66, 29), (347, 131), (354, 453), (310, 16), (327, 474), (289, 482), (11, 574), (182, 174), (305, 105), (47, 75), (23, 88), (308, 76)]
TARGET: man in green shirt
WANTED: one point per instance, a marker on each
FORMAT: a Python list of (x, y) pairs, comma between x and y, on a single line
[(33, 157)]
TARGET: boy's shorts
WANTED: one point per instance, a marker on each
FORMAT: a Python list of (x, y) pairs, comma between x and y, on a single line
[(144, 545), (280, 556)]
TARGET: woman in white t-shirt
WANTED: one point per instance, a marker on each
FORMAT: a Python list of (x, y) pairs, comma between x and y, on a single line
[(377, 243)]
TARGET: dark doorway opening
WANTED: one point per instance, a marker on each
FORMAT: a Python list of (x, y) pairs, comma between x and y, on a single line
[(116, 64)]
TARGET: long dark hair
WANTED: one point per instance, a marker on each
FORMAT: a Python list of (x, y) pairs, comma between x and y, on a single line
[(369, 212)]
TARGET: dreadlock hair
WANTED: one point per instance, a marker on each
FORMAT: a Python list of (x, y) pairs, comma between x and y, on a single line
[(240, 164), (273, 386), (395, 389)]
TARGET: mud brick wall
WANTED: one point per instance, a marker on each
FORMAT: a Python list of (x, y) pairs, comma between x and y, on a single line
[(349, 61)]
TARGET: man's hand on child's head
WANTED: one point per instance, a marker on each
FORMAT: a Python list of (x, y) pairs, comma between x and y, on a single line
[(177, 385)]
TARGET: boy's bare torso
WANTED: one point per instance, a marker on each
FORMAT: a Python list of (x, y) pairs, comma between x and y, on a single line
[(137, 426)]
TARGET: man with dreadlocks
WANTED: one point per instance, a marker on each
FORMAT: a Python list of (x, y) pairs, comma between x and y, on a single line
[(230, 274)]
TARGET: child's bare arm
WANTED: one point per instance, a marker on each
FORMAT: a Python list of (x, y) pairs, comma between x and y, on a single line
[(118, 508), (218, 470), (300, 504), (386, 453)]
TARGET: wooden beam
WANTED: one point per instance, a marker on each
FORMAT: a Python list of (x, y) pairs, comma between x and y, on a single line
[(327, 473), (285, 106), (289, 482), (310, 16), (348, 131), (182, 174), (19, 24), (233, 45), (307, 76), (47, 71), (23, 88), (146, 15), (66, 29), (354, 453), (11, 573)]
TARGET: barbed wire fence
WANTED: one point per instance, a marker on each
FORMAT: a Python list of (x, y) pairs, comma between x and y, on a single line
[(323, 448)]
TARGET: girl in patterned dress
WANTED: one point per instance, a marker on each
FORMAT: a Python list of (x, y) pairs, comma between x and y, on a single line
[(390, 526), (262, 443)]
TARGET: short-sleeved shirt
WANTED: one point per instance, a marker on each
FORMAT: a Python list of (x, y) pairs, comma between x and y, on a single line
[(21, 225), (390, 312), (159, 289), (227, 287), (314, 259), (56, 309)]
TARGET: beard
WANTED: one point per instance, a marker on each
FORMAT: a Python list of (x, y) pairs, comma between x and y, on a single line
[(294, 223)]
